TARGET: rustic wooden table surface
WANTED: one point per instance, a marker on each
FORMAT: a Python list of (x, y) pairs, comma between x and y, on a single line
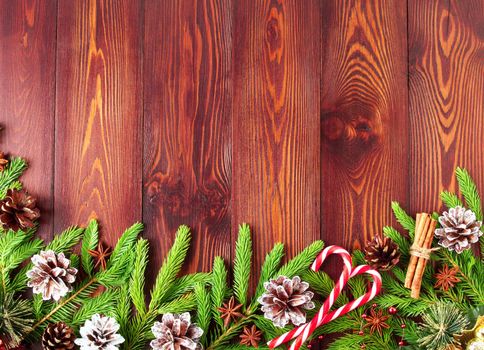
[(304, 119)]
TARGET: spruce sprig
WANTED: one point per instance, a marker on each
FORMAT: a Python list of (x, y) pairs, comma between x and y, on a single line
[(9, 177), (242, 264), (89, 242), (171, 267)]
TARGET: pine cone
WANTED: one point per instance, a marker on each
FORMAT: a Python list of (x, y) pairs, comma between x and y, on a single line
[(99, 333), (51, 275), (382, 253), (18, 210), (176, 332), (3, 161), (58, 336), (459, 229), (285, 300)]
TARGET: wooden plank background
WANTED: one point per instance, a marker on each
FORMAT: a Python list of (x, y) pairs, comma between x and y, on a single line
[(302, 118)]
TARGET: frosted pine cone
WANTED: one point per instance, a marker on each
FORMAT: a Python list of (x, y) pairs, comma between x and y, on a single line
[(51, 275), (100, 333), (285, 300), (459, 229), (176, 332)]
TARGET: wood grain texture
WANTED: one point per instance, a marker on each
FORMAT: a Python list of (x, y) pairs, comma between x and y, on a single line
[(98, 115), (276, 169), (364, 155), (446, 91), (187, 124), (27, 94)]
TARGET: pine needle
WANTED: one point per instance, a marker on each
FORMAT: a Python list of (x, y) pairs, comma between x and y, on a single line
[(66, 240), (8, 177), (125, 243), (204, 315), (407, 222), (450, 199), (186, 283), (182, 304), (89, 242), (469, 191), (242, 264), (302, 261), (219, 287), (137, 284), (171, 266), (268, 270)]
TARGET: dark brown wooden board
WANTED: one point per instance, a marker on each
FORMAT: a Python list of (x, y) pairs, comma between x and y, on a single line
[(27, 95), (365, 148), (276, 139), (188, 127), (98, 115), (446, 94)]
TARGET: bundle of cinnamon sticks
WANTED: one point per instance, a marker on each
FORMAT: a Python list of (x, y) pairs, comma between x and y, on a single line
[(420, 252)]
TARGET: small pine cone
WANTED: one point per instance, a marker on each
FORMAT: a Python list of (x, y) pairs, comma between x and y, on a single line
[(460, 229), (99, 333), (18, 210), (176, 332), (58, 336), (51, 275), (285, 299), (382, 253), (3, 161)]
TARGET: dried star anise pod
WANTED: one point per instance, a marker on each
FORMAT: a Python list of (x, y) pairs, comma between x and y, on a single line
[(250, 336), (100, 255), (229, 311), (446, 278), (376, 321)]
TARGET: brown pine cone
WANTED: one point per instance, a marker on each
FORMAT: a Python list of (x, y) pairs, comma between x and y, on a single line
[(18, 210), (3, 161), (58, 336), (382, 253), (460, 229)]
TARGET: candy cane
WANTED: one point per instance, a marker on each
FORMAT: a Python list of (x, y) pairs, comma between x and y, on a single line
[(331, 298), (375, 289), (303, 332)]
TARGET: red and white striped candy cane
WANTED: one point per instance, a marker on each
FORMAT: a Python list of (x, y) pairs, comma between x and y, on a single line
[(329, 301), (375, 289)]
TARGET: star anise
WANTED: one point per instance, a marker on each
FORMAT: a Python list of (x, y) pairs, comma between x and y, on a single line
[(446, 278), (250, 337), (230, 311), (376, 321), (3, 161), (100, 255)]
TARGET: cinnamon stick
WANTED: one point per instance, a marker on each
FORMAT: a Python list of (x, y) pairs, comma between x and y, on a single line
[(422, 262), (421, 226)]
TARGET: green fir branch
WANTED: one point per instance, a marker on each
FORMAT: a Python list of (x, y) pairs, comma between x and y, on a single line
[(89, 242), (269, 269), (204, 315), (171, 267), (63, 242), (219, 288), (469, 191), (137, 284), (407, 222), (302, 261), (242, 264), (9, 177), (450, 199)]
